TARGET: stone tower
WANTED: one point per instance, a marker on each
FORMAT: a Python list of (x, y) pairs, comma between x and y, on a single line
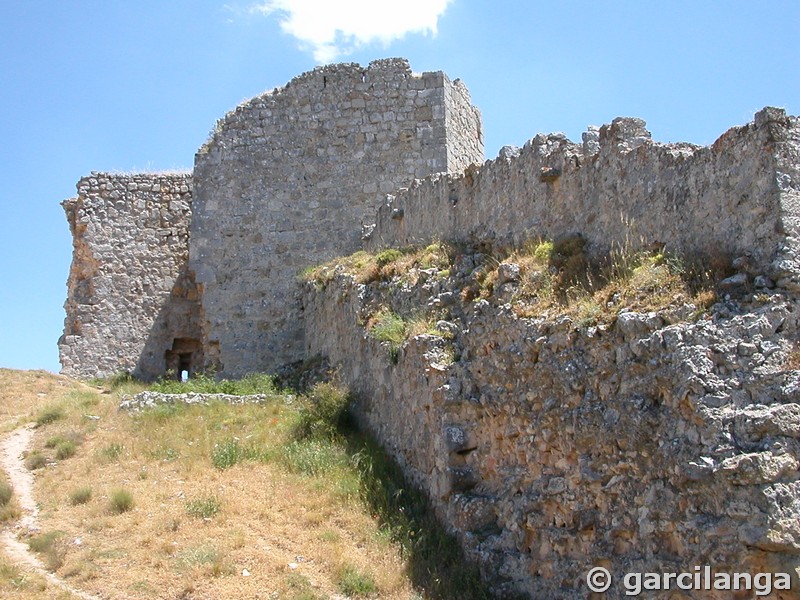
[(289, 177)]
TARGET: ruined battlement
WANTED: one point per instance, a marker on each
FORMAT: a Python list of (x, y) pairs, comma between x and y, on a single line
[(288, 179), (294, 176), (620, 189)]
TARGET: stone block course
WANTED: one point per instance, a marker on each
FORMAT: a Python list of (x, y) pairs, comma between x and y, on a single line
[(652, 442)]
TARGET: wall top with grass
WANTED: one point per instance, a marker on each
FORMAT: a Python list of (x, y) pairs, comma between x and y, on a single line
[(739, 197)]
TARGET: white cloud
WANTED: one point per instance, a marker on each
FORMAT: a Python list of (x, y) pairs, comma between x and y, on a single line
[(333, 28)]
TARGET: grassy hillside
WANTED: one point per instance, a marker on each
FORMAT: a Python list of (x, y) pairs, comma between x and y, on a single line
[(272, 500)]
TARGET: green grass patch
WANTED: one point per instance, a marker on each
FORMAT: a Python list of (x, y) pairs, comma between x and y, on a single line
[(50, 414), (301, 588), (389, 327), (258, 383), (314, 457), (355, 583), (324, 412), (35, 460), (388, 256), (111, 452), (14, 577), (121, 501), (65, 449), (51, 548), (436, 561), (80, 495), (207, 555), (204, 508), (230, 452)]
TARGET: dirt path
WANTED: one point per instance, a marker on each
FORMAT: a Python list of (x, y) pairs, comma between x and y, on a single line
[(14, 446)]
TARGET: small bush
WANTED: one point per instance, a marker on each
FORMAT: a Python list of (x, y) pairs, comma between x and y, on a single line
[(216, 563), (112, 452), (49, 415), (324, 413), (388, 327), (228, 453), (35, 460), (80, 496), (6, 491), (121, 501), (387, 256), (204, 508), (11, 574), (51, 547), (542, 251), (354, 583), (65, 449), (301, 587)]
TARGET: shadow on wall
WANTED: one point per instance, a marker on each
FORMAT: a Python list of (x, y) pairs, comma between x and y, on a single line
[(174, 345)]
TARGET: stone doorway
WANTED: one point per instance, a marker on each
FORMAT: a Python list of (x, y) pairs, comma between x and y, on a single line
[(183, 359)]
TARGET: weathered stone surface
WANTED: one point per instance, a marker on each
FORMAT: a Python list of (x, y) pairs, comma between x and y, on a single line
[(145, 400), (288, 178), (129, 293), (655, 444), (737, 197), (286, 181)]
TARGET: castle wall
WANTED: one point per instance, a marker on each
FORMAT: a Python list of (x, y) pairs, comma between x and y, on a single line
[(463, 122), (130, 295), (653, 443), (286, 181), (619, 189)]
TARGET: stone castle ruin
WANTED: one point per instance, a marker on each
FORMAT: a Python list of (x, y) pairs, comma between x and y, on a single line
[(654, 443), (198, 271)]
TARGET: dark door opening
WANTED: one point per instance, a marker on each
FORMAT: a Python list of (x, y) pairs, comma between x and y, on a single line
[(184, 366), (183, 359)]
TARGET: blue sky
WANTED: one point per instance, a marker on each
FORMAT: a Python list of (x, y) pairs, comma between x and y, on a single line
[(136, 86)]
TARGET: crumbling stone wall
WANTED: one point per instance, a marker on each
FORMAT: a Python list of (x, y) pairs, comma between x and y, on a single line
[(289, 177), (652, 443), (130, 295), (739, 196), (285, 181)]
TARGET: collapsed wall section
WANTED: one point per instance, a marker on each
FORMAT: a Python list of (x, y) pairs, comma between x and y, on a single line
[(131, 301), (289, 177), (740, 196)]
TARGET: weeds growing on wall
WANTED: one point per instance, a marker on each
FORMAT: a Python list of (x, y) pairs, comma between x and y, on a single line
[(387, 326), (392, 262), (555, 277)]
